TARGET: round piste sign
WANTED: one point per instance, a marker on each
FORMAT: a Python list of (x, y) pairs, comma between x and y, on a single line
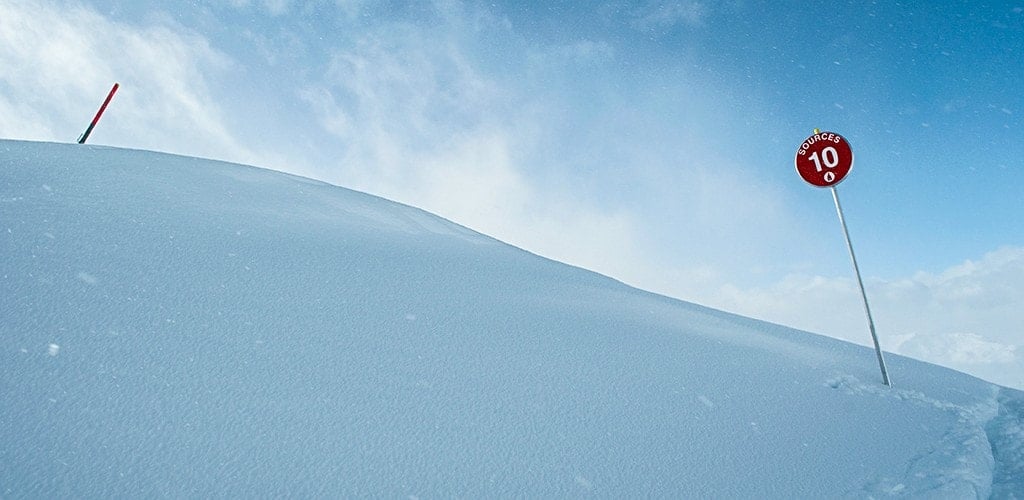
[(824, 159)]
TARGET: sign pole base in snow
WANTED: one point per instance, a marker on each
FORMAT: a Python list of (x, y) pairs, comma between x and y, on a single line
[(863, 294), (85, 135)]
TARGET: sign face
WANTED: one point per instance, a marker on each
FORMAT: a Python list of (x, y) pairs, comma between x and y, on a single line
[(824, 159)]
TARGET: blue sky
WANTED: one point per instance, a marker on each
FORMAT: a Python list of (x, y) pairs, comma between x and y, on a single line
[(652, 141)]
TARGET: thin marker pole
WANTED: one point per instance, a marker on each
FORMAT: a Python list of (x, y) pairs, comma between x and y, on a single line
[(96, 119), (863, 294)]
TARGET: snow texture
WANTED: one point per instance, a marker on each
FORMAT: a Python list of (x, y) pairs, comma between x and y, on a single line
[(190, 328)]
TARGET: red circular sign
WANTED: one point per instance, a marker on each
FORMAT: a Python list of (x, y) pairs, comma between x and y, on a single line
[(824, 159)]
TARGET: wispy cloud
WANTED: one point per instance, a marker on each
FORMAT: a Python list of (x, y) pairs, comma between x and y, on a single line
[(967, 317), (420, 122), (60, 59), (662, 14), (273, 7), (968, 350), (472, 120)]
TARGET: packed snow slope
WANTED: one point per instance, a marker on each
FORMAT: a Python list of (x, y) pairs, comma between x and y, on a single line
[(190, 328)]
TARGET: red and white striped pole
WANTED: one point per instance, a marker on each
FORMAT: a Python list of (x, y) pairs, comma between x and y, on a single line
[(96, 119)]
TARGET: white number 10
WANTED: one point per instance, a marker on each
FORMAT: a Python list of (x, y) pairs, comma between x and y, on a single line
[(829, 156)]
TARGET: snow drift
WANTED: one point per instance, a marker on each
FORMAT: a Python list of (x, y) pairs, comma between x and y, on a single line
[(181, 327)]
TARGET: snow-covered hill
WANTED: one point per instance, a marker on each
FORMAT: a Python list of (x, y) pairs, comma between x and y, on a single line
[(181, 327)]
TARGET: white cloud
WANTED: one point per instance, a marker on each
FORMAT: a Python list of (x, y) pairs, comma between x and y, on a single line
[(661, 14), (277, 7), (60, 59), (967, 317), (350, 7), (960, 348), (586, 51), (273, 7)]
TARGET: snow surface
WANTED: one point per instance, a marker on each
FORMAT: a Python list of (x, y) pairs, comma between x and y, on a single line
[(181, 327)]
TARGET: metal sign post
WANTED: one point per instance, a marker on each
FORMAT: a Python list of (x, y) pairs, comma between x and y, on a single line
[(823, 160), (863, 294)]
